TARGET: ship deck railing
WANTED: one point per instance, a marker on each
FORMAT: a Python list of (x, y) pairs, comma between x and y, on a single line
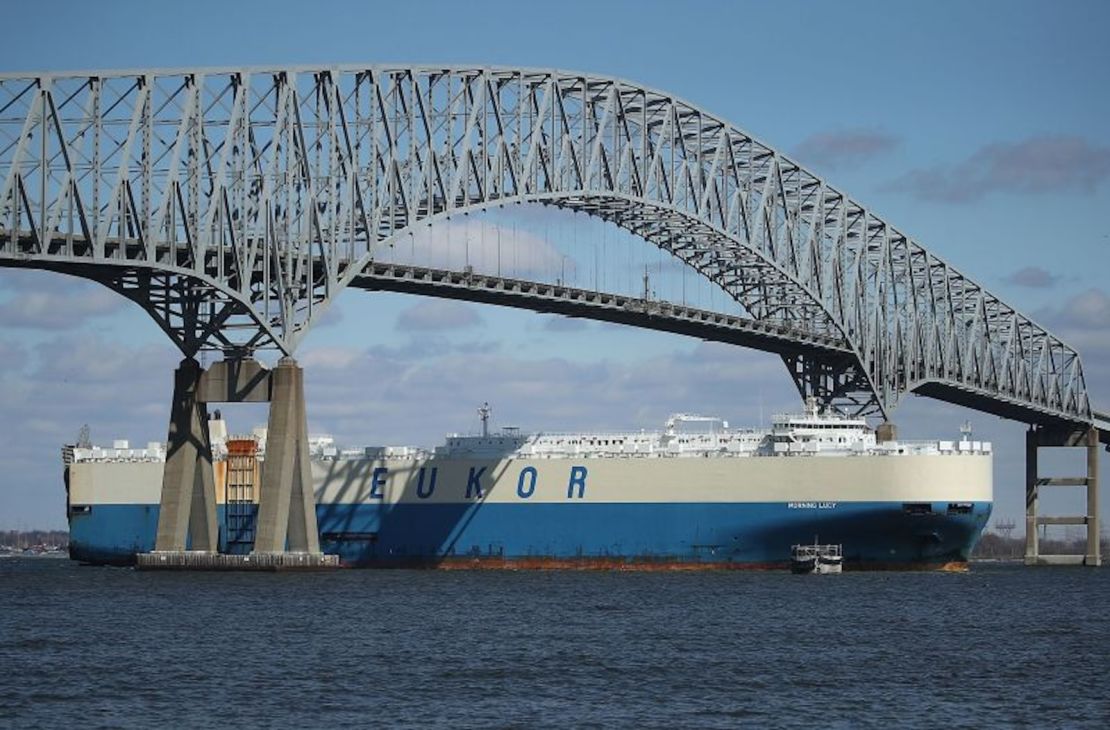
[(815, 551), (943, 446)]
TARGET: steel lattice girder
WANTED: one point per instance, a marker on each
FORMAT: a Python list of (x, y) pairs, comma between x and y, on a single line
[(266, 191)]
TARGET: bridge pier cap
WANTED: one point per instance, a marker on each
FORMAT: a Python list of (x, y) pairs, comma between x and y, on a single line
[(236, 380), (186, 241)]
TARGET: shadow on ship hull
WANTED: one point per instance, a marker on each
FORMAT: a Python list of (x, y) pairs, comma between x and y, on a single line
[(587, 536)]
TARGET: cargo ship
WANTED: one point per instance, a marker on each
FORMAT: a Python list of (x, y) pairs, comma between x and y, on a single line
[(694, 494)]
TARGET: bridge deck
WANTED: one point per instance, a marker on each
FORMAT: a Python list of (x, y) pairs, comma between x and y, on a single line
[(575, 302)]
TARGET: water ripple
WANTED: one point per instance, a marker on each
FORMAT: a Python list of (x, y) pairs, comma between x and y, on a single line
[(116, 648)]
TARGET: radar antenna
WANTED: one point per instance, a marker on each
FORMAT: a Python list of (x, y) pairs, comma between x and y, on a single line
[(84, 438), (965, 431), (484, 413)]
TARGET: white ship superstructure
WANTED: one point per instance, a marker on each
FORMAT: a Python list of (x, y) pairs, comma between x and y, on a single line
[(811, 433)]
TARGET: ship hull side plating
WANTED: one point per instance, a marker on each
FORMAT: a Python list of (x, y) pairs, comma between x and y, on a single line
[(621, 536)]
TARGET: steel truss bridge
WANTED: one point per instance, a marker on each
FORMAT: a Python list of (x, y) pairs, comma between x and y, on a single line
[(234, 204)]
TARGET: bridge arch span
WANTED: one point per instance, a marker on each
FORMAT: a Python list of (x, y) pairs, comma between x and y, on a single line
[(281, 185)]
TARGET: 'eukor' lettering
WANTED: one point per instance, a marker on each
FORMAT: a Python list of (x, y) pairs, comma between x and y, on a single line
[(377, 481), (474, 483), (522, 490), (431, 483), (577, 479)]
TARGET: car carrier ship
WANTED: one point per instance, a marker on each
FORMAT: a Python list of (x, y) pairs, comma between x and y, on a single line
[(696, 494)]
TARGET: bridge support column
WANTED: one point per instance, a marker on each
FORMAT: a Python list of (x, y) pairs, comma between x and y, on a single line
[(287, 504), (1042, 437), (1032, 548), (1094, 554), (187, 515)]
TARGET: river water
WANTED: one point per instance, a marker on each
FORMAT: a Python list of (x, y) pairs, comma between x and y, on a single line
[(110, 647)]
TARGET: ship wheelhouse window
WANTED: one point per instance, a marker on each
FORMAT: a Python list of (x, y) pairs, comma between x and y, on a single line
[(917, 508)]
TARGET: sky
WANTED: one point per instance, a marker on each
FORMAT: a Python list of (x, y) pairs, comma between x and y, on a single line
[(980, 129)]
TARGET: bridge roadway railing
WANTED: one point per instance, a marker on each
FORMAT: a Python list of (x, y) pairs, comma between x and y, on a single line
[(1101, 421), (576, 302)]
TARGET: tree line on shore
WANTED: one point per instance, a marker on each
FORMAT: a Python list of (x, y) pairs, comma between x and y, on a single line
[(995, 546), (22, 539)]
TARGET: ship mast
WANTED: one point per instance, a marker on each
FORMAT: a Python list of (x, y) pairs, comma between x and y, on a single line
[(484, 413)]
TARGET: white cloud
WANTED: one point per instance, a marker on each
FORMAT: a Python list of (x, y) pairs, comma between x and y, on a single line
[(89, 361), (558, 323), (119, 390), (418, 395), (512, 251), (1033, 277), (1036, 165), (1083, 321), (51, 301), (13, 357), (431, 315), (329, 358), (843, 148)]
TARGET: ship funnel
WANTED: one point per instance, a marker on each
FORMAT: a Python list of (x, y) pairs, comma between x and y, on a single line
[(217, 429)]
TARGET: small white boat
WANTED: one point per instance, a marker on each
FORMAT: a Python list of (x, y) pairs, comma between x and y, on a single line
[(816, 559)]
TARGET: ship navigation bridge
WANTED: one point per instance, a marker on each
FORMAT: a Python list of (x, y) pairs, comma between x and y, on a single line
[(234, 204)]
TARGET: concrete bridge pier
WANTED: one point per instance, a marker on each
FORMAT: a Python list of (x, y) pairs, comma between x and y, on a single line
[(1094, 552), (1036, 438), (287, 505), (187, 517), (286, 532)]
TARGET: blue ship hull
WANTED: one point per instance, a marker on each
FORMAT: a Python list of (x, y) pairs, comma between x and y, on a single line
[(577, 535)]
